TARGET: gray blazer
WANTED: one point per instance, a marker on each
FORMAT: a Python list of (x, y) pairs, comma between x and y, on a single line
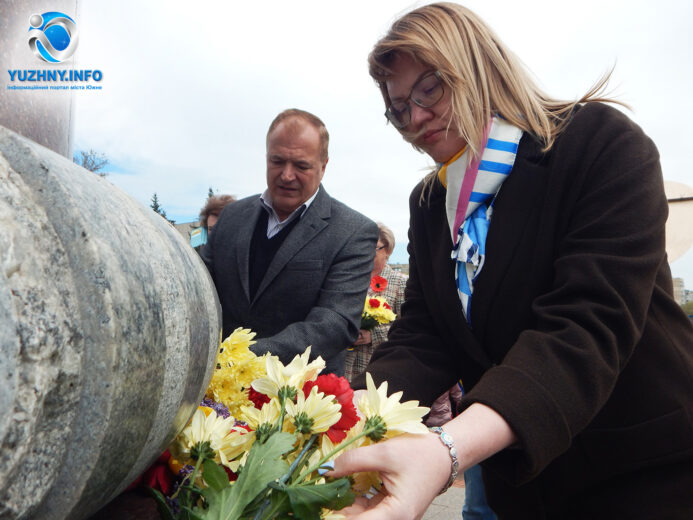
[(314, 289)]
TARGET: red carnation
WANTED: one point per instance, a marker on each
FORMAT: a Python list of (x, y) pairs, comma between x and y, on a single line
[(378, 284), (331, 384), (387, 306), (157, 476), (257, 398), (373, 303)]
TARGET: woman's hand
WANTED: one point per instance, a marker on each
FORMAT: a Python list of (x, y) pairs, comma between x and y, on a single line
[(414, 468), (364, 337)]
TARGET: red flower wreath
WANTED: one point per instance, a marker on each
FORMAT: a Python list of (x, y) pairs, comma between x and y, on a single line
[(378, 284)]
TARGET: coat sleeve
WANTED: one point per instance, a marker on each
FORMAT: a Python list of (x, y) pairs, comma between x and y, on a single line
[(559, 374), (333, 322), (414, 359)]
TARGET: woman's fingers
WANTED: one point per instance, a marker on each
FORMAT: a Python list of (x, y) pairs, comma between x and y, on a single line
[(367, 458), (380, 507)]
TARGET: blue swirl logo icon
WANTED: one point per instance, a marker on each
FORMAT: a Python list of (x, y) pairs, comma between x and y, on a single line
[(52, 36)]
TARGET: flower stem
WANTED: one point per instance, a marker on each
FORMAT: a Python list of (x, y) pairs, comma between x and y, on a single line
[(282, 412), (198, 463), (299, 459), (287, 475), (334, 452)]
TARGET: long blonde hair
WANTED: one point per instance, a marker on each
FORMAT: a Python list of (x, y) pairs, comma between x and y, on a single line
[(483, 75)]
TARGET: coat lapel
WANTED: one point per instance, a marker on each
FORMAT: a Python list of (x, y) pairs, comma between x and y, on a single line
[(244, 235), (311, 223)]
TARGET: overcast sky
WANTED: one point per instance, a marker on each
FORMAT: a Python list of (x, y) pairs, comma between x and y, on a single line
[(190, 88)]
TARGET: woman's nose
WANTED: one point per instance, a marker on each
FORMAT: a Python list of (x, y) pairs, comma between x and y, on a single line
[(419, 114)]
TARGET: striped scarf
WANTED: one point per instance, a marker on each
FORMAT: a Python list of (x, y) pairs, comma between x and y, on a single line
[(472, 185)]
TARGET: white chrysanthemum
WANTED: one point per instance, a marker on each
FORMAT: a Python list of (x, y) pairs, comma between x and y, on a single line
[(315, 413), (202, 428), (294, 375), (392, 417)]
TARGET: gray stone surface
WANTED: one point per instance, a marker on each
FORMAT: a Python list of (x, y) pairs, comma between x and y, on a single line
[(44, 116), (109, 326)]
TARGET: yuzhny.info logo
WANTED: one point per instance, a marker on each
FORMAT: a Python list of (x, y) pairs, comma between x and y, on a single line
[(53, 39), (52, 36)]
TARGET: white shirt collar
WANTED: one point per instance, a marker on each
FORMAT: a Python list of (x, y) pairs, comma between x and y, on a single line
[(274, 224)]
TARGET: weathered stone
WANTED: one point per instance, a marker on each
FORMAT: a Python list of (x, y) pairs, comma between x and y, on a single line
[(109, 326)]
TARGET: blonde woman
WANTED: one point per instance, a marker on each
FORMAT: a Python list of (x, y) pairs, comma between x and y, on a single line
[(538, 276)]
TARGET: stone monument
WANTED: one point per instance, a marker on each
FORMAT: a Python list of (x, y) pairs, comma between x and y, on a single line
[(109, 327)]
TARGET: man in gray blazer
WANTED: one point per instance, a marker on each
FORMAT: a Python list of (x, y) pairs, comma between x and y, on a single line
[(293, 264)]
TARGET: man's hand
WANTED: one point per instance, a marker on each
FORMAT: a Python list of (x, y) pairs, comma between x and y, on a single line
[(364, 337)]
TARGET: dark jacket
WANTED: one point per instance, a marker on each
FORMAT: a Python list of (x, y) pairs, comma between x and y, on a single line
[(314, 288), (576, 340)]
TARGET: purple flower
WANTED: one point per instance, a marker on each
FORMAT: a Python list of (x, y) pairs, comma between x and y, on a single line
[(219, 408)]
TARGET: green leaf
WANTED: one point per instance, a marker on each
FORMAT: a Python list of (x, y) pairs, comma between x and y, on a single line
[(264, 465), (161, 505), (215, 476), (192, 515), (307, 500)]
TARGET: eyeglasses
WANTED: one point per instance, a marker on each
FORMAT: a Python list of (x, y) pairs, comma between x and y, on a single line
[(378, 248), (425, 93)]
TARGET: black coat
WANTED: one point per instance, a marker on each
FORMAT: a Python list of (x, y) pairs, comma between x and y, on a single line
[(576, 339)]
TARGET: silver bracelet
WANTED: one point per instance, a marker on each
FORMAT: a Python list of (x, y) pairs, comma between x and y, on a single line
[(449, 443)]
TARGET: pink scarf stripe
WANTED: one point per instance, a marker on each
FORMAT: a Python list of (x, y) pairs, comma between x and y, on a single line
[(467, 187)]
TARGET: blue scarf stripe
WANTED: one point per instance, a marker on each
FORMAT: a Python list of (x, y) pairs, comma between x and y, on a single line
[(498, 156), (495, 167), (478, 197), (506, 146)]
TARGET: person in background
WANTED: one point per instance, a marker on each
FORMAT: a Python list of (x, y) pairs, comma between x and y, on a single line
[(538, 276), (389, 284), (292, 263), (209, 214)]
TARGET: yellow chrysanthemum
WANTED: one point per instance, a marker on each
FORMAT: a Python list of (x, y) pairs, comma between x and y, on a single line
[(236, 368), (293, 376), (387, 415), (315, 413), (202, 428)]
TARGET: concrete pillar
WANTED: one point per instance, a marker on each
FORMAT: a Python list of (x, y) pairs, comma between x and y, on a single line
[(109, 326)]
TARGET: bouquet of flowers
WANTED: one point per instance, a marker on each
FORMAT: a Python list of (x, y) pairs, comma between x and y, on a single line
[(376, 311), (261, 443)]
